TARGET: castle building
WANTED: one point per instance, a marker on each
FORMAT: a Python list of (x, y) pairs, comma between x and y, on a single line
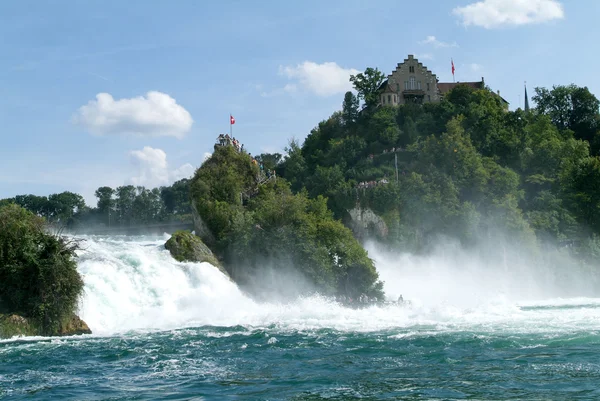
[(412, 82)]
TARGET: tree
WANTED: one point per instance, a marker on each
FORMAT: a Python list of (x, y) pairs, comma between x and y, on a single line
[(294, 165), (270, 161), (367, 85), (38, 272), (64, 206), (570, 107), (176, 198), (350, 109), (105, 203), (125, 197)]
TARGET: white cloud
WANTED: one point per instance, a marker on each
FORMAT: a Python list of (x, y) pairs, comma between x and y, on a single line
[(322, 79), (432, 40), (424, 56), (156, 114), (153, 168), (496, 13), (288, 88), (475, 67)]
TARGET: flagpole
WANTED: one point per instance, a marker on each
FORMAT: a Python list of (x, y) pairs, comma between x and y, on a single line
[(230, 127)]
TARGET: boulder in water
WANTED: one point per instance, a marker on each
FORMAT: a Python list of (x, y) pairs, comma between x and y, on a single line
[(187, 247), (16, 325), (74, 326)]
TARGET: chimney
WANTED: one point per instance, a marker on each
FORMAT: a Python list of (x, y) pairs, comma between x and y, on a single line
[(498, 92)]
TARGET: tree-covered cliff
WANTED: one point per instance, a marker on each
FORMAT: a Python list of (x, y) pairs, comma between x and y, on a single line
[(257, 225), (465, 167)]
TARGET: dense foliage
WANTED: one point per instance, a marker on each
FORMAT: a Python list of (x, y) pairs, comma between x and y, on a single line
[(124, 206), (252, 226), (38, 272), (465, 167)]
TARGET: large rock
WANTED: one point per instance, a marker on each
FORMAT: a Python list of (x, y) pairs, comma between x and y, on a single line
[(74, 326), (15, 325), (187, 247), (364, 223)]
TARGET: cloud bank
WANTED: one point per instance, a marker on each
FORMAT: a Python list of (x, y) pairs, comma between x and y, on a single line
[(432, 40), (154, 170), (156, 114), (321, 79), (497, 13)]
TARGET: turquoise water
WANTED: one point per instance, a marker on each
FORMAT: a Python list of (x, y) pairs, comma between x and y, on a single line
[(273, 363), (170, 331)]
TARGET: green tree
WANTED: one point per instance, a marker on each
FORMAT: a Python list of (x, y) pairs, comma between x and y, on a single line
[(270, 161), (38, 272), (350, 109), (570, 107), (106, 204), (367, 86), (65, 206)]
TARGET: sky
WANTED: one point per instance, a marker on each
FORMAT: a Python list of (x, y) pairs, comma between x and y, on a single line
[(112, 92)]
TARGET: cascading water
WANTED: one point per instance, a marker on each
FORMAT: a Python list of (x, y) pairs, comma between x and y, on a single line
[(137, 285)]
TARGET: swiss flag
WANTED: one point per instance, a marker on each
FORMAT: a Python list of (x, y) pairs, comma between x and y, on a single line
[(452, 66), (231, 120)]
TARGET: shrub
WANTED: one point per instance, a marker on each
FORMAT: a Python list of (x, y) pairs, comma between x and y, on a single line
[(38, 272)]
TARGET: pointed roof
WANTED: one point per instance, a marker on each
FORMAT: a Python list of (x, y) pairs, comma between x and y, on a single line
[(526, 98)]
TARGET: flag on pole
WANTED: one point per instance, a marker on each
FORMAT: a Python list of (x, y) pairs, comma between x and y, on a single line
[(452, 61), (231, 119)]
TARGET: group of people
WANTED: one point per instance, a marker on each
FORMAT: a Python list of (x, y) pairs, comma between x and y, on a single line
[(268, 174), (226, 140), (371, 184)]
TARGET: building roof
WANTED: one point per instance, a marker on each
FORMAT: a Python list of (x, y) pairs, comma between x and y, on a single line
[(386, 88)]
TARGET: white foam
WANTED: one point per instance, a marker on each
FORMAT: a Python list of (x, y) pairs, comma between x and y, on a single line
[(137, 285)]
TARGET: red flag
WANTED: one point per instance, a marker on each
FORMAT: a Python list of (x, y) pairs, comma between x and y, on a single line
[(452, 66), (231, 120)]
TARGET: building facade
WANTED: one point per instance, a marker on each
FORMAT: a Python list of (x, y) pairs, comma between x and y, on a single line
[(412, 82)]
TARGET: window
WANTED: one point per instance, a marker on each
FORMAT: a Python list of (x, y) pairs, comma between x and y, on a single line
[(429, 98), (389, 99), (397, 87), (418, 84), (411, 69), (428, 87), (412, 83), (405, 85), (394, 98)]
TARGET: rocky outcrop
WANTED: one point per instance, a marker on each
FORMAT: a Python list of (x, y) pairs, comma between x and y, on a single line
[(15, 325), (365, 223), (187, 247), (74, 326)]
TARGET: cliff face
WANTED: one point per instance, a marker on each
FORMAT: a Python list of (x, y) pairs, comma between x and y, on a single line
[(365, 223)]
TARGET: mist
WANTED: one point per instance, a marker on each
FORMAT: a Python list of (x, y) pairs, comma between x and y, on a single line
[(490, 272), (272, 280)]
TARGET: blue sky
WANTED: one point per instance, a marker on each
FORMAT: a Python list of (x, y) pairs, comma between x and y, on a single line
[(116, 92)]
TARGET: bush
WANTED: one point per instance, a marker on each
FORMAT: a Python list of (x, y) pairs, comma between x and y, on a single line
[(38, 272)]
